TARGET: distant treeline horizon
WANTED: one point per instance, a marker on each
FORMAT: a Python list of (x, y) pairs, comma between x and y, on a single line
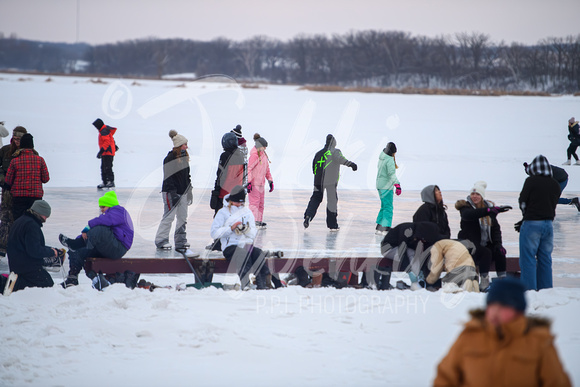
[(358, 59)]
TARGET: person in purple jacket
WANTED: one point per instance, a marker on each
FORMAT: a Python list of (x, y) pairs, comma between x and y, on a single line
[(110, 235)]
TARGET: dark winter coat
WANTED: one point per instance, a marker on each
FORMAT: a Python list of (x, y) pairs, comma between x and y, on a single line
[(431, 211), (6, 153), (470, 226), (26, 247), (26, 174), (107, 145), (119, 220), (231, 171), (326, 163), (521, 354), (559, 174), (411, 234), (176, 174), (574, 133), (539, 197)]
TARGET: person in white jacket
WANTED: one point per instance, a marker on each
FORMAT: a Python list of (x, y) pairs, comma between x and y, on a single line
[(235, 226)]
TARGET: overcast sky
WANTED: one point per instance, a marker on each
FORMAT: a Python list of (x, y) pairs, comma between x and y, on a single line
[(109, 21)]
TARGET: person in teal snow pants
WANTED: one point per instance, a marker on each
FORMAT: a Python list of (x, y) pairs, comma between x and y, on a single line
[(386, 182)]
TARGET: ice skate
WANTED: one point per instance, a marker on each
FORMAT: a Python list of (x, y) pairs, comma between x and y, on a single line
[(10, 282), (165, 246), (307, 220), (577, 162), (568, 162), (575, 202), (187, 252)]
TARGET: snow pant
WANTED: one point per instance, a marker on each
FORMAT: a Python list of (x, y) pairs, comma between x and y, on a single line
[(6, 219), (571, 151), (331, 204), (536, 245), (170, 212), (385, 216), (101, 242), (20, 204), (562, 200), (39, 278), (248, 260), (107, 169), (256, 199)]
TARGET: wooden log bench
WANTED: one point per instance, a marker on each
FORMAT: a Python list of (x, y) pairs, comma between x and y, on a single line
[(175, 265)]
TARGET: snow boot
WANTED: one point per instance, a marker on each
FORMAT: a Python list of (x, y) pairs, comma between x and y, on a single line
[(302, 276), (98, 279), (307, 220), (131, 279)]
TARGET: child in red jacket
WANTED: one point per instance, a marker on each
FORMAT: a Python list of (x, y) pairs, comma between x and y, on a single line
[(107, 149)]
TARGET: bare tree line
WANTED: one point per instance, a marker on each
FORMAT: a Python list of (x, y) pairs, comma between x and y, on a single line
[(357, 59)]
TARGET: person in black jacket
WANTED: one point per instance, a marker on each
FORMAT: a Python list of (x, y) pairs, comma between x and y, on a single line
[(561, 176), (176, 193), (27, 252), (326, 168), (479, 225), (433, 210), (574, 138), (538, 200)]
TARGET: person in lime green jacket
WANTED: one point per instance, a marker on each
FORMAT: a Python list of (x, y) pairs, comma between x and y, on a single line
[(387, 185)]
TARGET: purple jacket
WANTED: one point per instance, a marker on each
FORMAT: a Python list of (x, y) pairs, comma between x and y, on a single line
[(119, 220)]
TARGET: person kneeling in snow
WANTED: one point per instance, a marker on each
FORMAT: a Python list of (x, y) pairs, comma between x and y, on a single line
[(27, 252), (501, 346), (235, 226), (109, 235), (453, 257)]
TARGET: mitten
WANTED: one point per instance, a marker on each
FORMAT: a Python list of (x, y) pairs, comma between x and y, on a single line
[(493, 211), (504, 208), (271, 184), (100, 153), (398, 189), (85, 230), (353, 166), (249, 187)]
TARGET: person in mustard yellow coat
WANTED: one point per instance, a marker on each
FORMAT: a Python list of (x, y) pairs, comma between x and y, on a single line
[(501, 346)]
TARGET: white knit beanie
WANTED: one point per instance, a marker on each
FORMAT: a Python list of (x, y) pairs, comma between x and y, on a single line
[(178, 139), (479, 187)]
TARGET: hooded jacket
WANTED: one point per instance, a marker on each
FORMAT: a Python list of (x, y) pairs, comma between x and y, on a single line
[(454, 258), (521, 353), (431, 211), (540, 193), (258, 167), (386, 172), (221, 226), (119, 220), (231, 167), (106, 140), (326, 163)]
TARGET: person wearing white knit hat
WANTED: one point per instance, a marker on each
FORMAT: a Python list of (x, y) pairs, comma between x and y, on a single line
[(177, 195), (479, 225)]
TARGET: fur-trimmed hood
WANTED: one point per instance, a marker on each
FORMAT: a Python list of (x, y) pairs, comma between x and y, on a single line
[(532, 321)]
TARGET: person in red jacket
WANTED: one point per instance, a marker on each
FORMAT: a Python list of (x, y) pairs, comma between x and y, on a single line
[(107, 149), (25, 176)]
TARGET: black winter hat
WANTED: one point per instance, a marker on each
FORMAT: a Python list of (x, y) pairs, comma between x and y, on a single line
[(508, 291), (98, 123), (27, 142), (237, 131), (238, 194), (391, 149)]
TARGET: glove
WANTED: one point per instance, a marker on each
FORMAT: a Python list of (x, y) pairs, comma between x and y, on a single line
[(116, 148), (504, 208), (271, 184), (189, 198), (497, 210), (353, 166), (174, 198), (100, 153), (398, 189), (249, 187), (518, 225), (501, 249)]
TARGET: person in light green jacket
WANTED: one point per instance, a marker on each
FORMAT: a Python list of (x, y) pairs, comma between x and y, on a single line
[(387, 182)]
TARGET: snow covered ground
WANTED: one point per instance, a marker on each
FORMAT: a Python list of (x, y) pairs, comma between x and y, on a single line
[(292, 336)]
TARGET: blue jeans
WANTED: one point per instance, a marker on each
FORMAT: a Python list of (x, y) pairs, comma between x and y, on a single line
[(536, 245), (564, 200)]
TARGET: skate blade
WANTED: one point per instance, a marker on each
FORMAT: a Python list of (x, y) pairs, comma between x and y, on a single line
[(10, 282)]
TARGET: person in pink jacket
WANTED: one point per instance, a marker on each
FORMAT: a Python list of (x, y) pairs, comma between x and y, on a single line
[(258, 172)]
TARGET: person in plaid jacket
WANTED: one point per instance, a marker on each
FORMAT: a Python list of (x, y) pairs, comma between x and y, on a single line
[(26, 174)]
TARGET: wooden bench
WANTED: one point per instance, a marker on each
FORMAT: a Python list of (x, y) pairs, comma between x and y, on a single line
[(174, 265)]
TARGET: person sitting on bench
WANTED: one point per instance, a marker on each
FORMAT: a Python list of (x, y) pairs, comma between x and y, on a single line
[(235, 226), (110, 235)]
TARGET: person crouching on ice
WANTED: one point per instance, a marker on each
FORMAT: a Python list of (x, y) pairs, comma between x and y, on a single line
[(109, 235), (235, 226)]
